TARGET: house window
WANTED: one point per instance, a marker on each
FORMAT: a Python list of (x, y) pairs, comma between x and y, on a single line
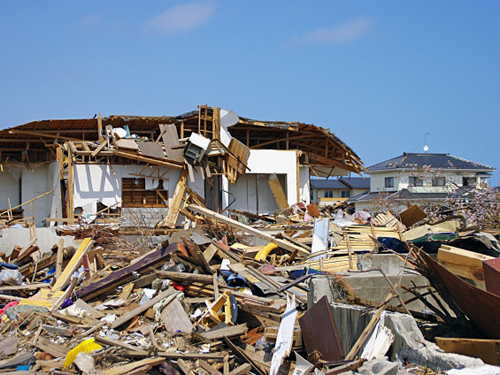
[(389, 182), (328, 193), (468, 181), (134, 194), (416, 181), (439, 181), (345, 193)]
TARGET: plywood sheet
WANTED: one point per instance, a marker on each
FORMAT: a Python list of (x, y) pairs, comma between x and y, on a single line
[(412, 215), (152, 149), (170, 139), (128, 144), (175, 318), (278, 192)]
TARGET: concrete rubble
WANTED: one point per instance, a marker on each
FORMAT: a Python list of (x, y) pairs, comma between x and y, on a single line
[(183, 286)]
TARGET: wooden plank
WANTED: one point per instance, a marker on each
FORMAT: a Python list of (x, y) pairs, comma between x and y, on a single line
[(463, 263), (229, 331), (146, 159), (24, 203), (142, 308), (367, 331), (487, 350), (59, 260), (126, 274), (212, 371), (100, 134), (278, 192), (151, 149), (242, 369), (134, 365), (98, 149), (70, 186), (175, 318), (173, 211), (73, 264), (170, 139), (104, 341), (246, 228), (412, 215)]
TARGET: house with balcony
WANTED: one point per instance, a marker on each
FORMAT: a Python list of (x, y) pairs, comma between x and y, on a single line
[(330, 191), (419, 178)]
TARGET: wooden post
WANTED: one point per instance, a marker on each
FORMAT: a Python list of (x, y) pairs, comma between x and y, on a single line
[(99, 127), (59, 261), (349, 252), (70, 189)]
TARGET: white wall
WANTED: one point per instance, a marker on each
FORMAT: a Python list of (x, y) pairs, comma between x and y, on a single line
[(279, 162), (102, 182), (401, 181), (9, 188), (252, 193), (34, 184), (305, 185)]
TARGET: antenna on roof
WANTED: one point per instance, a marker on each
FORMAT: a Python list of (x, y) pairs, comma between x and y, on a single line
[(426, 148)]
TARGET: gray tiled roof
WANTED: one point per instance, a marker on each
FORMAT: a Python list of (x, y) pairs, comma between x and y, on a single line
[(403, 194), (342, 183), (441, 161)]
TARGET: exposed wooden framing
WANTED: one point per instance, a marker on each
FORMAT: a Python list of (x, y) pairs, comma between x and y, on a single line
[(331, 162), (216, 123), (43, 135), (297, 172), (98, 149), (146, 159), (288, 139)]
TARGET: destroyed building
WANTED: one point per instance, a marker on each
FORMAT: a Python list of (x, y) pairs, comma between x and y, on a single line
[(246, 277), (119, 166)]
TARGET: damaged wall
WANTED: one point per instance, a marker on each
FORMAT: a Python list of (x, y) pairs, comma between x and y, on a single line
[(9, 188), (103, 183), (21, 184), (254, 194)]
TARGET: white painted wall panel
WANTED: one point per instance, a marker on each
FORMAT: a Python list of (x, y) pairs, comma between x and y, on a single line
[(101, 182), (9, 188), (34, 184)]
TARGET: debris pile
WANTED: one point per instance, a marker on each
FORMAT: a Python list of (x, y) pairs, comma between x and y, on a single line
[(281, 296)]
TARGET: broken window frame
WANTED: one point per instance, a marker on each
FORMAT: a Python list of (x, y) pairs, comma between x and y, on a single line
[(149, 198)]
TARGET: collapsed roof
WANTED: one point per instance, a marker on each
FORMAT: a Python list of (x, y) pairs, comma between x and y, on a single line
[(35, 140)]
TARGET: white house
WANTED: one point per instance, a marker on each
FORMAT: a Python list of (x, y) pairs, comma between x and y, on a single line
[(416, 178)]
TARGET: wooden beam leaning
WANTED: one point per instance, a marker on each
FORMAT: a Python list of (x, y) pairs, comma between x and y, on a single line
[(246, 228), (44, 135), (73, 264), (22, 204), (146, 159), (139, 310)]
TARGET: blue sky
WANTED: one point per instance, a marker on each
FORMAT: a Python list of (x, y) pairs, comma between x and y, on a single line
[(379, 74)]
